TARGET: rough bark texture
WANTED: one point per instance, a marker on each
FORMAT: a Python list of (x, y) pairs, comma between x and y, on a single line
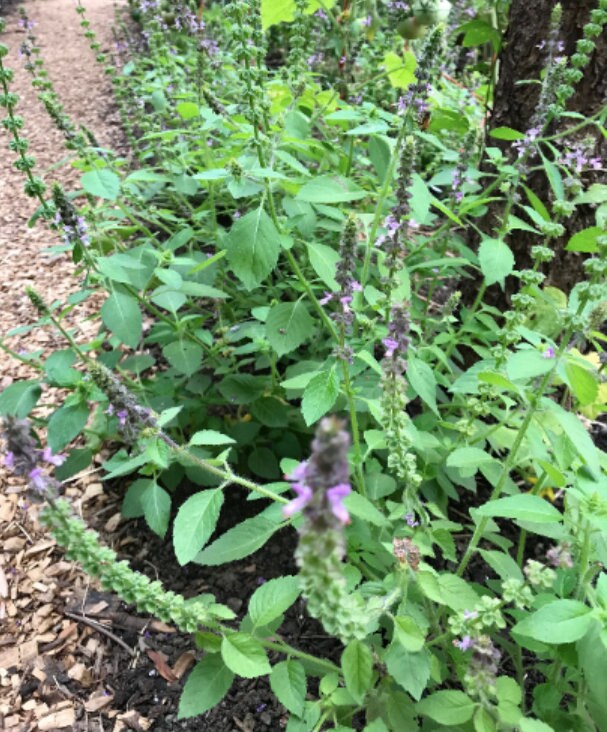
[(515, 104)]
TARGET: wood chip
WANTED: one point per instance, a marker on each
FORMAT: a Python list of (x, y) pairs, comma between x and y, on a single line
[(59, 718)]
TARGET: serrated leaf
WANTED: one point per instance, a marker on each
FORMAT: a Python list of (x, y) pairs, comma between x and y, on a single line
[(522, 508), (184, 356), (585, 240), (272, 599), (447, 707), (288, 325), (253, 246), (240, 541), (65, 424), (206, 686), (20, 398), (210, 437), (288, 682), (506, 133), (102, 183), (496, 260), (561, 621), (244, 655), (324, 262), (319, 395), (156, 504), (408, 633), (422, 379), (195, 522), (283, 11), (401, 70), (410, 670), (120, 313), (357, 667), (330, 189)]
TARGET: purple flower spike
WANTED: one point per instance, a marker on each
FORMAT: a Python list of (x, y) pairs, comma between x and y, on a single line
[(336, 496), (304, 496)]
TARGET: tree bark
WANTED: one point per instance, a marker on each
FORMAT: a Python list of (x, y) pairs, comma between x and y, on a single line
[(515, 103)]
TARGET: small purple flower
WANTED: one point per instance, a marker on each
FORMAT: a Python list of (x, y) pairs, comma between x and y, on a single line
[(38, 479), (410, 519), (368, 21), (336, 496), (391, 346), (549, 352), (9, 460), (48, 457), (122, 416), (464, 644), (470, 615), (304, 496), (328, 296)]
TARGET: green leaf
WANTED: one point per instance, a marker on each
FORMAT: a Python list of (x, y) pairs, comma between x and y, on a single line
[(447, 589), (502, 564), (506, 133), (120, 313), (58, 371), (468, 460), (210, 437), (401, 70), (288, 325), (410, 670), (283, 11), (585, 240), (240, 541), (272, 599), (522, 508), (195, 522), (242, 388), (363, 508), (131, 504), (244, 655), (576, 433), (330, 189), (527, 364), (319, 395), (288, 682), (420, 199), (324, 262), (102, 183), (184, 356), (447, 707), (65, 424), (496, 260), (408, 633), (206, 686), (253, 246), (534, 725), (422, 379), (561, 621), (582, 382), (357, 667), (18, 399), (156, 504)]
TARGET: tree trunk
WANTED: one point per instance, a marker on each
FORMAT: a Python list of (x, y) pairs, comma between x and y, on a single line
[(522, 58)]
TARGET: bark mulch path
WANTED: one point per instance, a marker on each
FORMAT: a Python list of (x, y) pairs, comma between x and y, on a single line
[(71, 656)]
